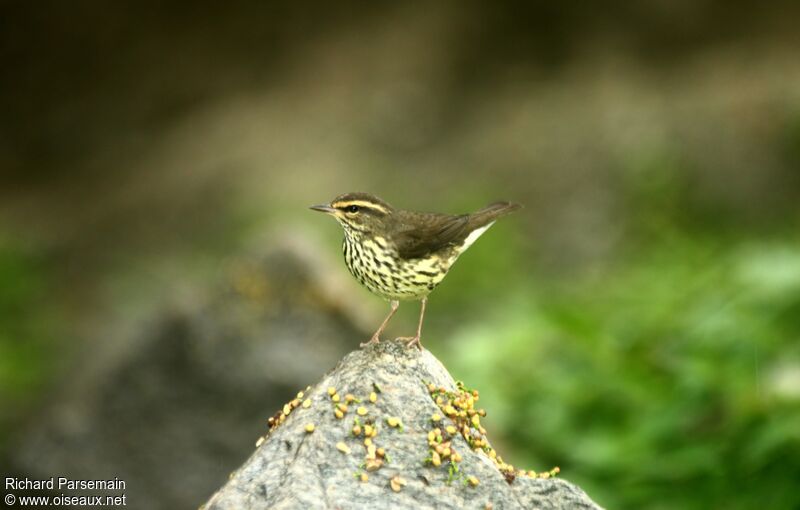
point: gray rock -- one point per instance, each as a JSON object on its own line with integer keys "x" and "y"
{"x": 293, "y": 468}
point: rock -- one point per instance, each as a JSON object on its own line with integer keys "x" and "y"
{"x": 325, "y": 468}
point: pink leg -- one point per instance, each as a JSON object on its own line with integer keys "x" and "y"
{"x": 375, "y": 338}
{"x": 415, "y": 339}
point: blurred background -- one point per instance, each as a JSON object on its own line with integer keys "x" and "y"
{"x": 164, "y": 288}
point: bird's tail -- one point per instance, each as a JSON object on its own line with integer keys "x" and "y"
{"x": 491, "y": 212}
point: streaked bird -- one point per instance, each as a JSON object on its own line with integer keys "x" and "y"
{"x": 404, "y": 255}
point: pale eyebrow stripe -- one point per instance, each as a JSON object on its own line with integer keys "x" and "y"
{"x": 361, "y": 203}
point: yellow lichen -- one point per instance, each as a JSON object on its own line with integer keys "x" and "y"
{"x": 459, "y": 407}
{"x": 397, "y": 483}
{"x": 373, "y": 464}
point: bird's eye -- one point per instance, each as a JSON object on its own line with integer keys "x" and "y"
{"x": 352, "y": 208}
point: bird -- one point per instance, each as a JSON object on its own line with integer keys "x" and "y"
{"x": 404, "y": 255}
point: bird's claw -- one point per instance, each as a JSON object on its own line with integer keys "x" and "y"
{"x": 373, "y": 340}
{"x": 412, "y": 340}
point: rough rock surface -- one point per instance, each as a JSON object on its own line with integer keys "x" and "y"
{"x": 294, "y": 468}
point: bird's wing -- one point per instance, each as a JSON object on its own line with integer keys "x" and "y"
{"x": 433, "y": 233}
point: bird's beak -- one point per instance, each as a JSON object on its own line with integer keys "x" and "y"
{"x": 323, "y": 208}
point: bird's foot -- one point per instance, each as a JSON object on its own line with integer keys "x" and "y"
{"x": 412, "y": 340}
{"x": 373, "y": 340}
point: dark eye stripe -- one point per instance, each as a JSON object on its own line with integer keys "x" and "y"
{"x": 361, "y": 207}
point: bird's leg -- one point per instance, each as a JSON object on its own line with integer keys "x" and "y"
{"x": 376, "y": 337}
{"x": 415, "y": 339}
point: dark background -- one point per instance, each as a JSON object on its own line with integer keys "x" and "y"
{"x": 636, "y": 324}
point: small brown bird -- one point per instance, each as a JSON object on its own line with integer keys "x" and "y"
{"x": 404, "y": 255}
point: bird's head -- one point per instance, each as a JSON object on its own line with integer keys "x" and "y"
{"x": 358, "y": 212}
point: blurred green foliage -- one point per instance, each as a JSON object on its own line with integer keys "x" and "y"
{"x": 669, "y": 379}
{"x": 26, "y": 328}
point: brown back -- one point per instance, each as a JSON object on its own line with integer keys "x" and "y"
{"x": 419, "y": 234}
